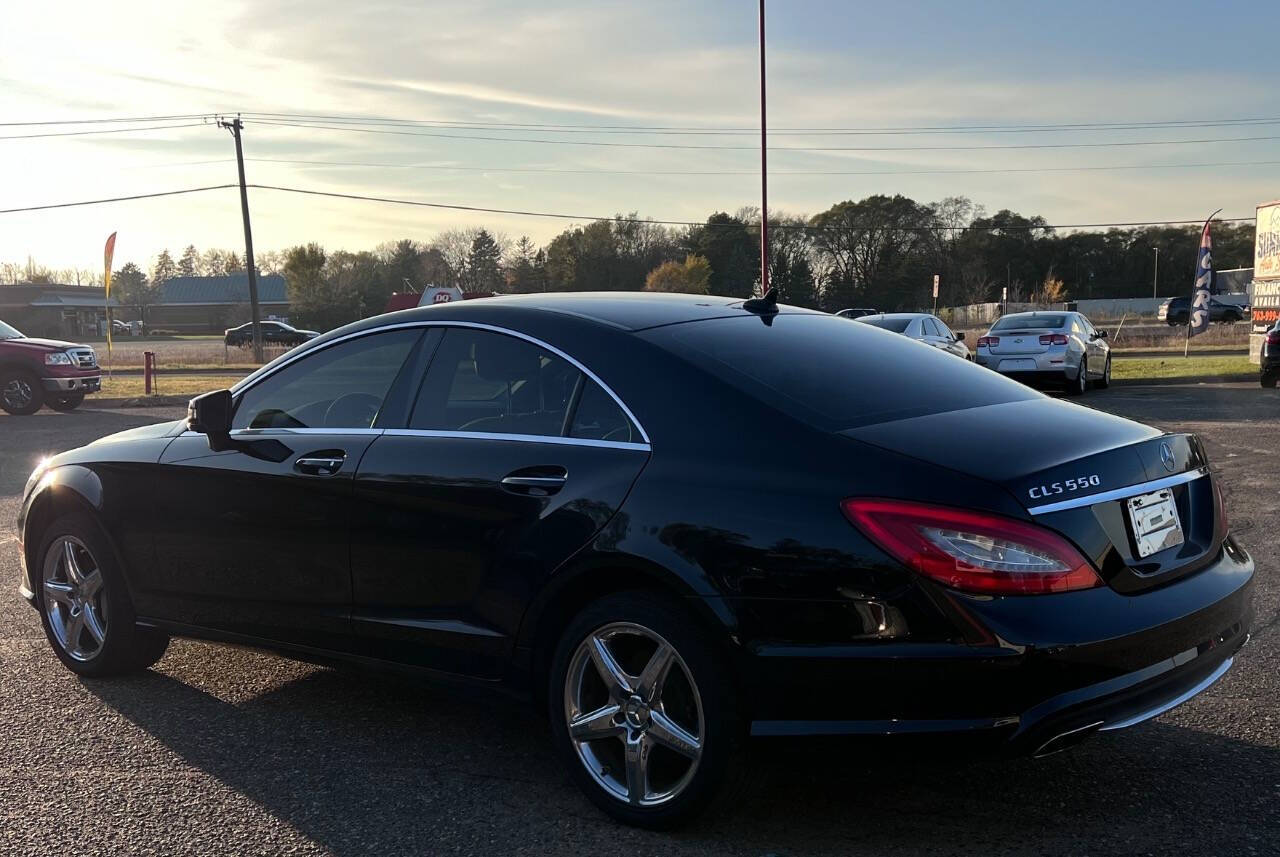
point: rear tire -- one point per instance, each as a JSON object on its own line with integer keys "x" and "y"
{"x": 1105, "y": 381}
{"x": 1076, "y": 386}
{"x": 1269, "y": 381}
{"x": 631, "y": 770}
{"x": 20, "y": 392}
{"x": 66, "y": 403}
{"x": 84, "y": 605}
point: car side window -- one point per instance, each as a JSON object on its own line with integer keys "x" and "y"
{"x": 930, "y": 327}
{"x": 342, "y": 386}
{"x": 599, "y": 417}
{"x": 943, "y": 330}
{"x": 482, "y": 381}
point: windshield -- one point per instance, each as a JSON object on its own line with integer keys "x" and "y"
{"x": 1009, "y": 322}
{"x": 8, "y": 332}
{"x": 897, "y": 325}
{"x": 832, "y": 374}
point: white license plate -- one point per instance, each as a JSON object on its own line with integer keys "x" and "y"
{"x": 1017, "y": 365}
{"x": 1155, "y": 522}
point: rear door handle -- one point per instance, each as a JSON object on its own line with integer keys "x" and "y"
{"x": 320, "y": 464}
{"x": 537, "y": 481}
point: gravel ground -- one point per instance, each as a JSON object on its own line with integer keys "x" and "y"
{"x": 226, "y": 751}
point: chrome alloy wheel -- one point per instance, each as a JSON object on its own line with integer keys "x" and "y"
{"x": 634, "y": 714}
{"x": 73, "y": 598}
{"x": 17, "y": 393}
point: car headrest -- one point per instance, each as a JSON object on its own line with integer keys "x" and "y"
{"x": 504, "y": 358}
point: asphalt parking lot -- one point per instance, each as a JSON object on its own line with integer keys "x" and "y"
{"x": 226, "y": 751}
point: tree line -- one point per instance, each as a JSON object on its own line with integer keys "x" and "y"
{"x": 881, "y": 251}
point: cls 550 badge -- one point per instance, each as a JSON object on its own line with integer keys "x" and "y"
{"x": 1066, "y": 486}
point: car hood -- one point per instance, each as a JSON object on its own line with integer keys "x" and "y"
{"x": 156, "y": 430}
{"x": 43, "y": 344}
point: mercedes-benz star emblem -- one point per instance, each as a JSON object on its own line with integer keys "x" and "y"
{"x": 1166, "y": 458}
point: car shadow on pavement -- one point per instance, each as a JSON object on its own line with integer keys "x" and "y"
{"x": 365, "y": 764}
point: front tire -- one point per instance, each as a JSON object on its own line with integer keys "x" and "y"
{"x": 66, "y": 403}
{"x": 84, "y": 606}
{"x": 1269, "y": 381}
{"x": 20, "y": 392}
{"x": 643, "y": 711}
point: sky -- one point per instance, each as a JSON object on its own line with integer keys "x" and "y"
{"x": 693, "y": 65}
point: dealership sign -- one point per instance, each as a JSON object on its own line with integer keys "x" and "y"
{"x": 1266, "y": 267}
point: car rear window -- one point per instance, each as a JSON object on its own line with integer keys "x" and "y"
{"x": 1009, "y": 322}
{"x": 832, "y": 374}
{"x": 897, "y": 325}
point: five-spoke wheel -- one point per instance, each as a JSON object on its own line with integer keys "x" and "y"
{"x": 73, "y": 599}
{"x": 633, "y": 713}
{"x": 644, "y": 709}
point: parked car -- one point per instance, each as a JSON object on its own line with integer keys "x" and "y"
{"x": 273, "y": 333}
{"x": 922, "y": 327}
{"x": 1060, "y": 349}
{"x": 1270, "y": 370}
{"x": 857, "y": 312}
{"x": 35, "y": 372}
{"x": 1178, "y": 311}
{"x": 120, "y": 328}
{"x": 675, "y": 521}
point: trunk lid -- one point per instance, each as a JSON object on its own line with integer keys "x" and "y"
{"x": 1074, "y": 469}
{"x": 1021, "y": 341}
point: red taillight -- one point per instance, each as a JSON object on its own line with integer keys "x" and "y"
{"x": 1053, "y": 339}
{"x": 989, "y": 340}
{"x": 972, "y": 551}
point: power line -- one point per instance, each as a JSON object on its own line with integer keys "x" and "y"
{"x": 116, "y": 121}
{"x": 376, "y": 164}
{"x": 116, "y": 199}
{"x": 99, "y": 131}
{"x": 562, "y": 216}
{"x": 1112, "y": 144}
{"x": 688, "y": 129}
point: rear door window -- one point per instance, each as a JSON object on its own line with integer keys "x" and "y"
{"x": 833, "y": 374}
{"x": 482, "y": 381}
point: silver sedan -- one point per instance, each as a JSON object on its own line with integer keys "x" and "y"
{"x": 923, "y": 327}
{"x": 1061, "y": 349}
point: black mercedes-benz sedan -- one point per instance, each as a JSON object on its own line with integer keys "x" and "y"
{"x": 674, "y": 522}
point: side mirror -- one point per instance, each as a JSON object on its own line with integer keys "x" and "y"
{"x": 1102, "y": 334}
{"x": 211, "y": 414}
{"x": 960, "y": 336}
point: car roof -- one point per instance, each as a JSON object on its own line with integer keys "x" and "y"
{"x": 621, "y": 310}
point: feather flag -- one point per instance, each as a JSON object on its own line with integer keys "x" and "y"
{"x": 107, "y": 253}
{"x": 1199, "y": 321}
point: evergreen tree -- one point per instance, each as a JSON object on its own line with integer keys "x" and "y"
{"x": 189, "y": 262}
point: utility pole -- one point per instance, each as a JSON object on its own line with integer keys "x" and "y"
{"x": 1155, "y": 277}
{"x": 235, "y": 126}
{"x": 764, "y": 173}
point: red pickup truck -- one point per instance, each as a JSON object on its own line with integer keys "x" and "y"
{"x": 35, "y": 372}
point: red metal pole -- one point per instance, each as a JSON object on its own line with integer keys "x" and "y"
{"x": 764, "y": 172}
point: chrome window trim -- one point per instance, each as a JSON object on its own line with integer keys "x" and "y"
{"x": 291, "y": 432}
{"x": 261, "y": 374}
{"x": 1120, "y": 493}
{"x": 525, "y": 438}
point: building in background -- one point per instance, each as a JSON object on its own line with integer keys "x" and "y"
{"x": 212, "y": 304}
{"x": 55, "y": 311}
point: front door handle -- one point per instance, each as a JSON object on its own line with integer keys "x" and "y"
{"x": 321, "y": 463}
{"x": 537, "y": 481}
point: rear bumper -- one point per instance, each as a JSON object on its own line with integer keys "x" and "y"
{"x": 1043, "y": 377}
{"x": 1105, "y": 662}
{"x": 87, "y": 384}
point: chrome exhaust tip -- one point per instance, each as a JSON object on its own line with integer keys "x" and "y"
{"x": 1065, "y": 740}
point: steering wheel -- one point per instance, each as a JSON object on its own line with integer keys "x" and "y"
{"x": 352, "y": 410}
